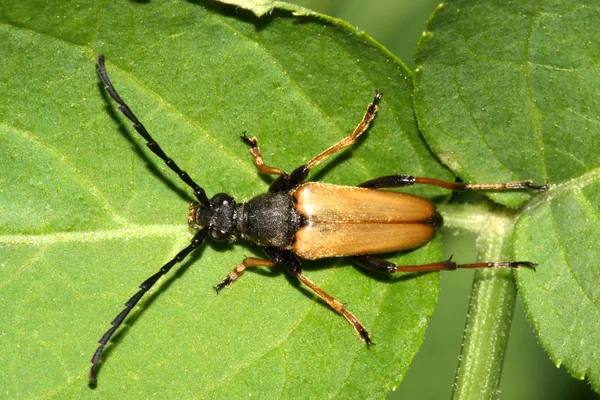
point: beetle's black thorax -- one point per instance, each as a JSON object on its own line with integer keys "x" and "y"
{"x": 270, "y": 219}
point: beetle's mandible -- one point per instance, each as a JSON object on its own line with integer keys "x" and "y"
{"x": 296, "y": 220}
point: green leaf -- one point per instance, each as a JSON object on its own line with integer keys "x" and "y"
{"x": 509, "y": 92}
{"x": 87, "y": 212}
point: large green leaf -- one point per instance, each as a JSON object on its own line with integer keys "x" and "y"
{"x": 508, "y": 91}
{"x": 87, "y": 212}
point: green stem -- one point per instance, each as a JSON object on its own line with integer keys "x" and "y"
{"x": 490, "y": 311}
{"x": 486, "y": 335}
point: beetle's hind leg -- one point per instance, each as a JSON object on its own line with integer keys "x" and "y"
{"x": 379, "y": 265}
{"x": 408, "y": 180}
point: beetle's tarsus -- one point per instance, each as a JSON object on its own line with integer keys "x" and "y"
{"x": 219, "y": 287}
{"x": 372, "y": 109}
{"x": 519, "y": 264}
{"x": 541, "y": 188}
{"x": 224, "y": 283}
{"x": 366, "y": 337}
{"x": 252, "y": 142}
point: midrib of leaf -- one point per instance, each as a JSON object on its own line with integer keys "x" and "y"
{"x": 571, "y": 186}
{"x": 535, "y": 114}
{"x": 131, "y": 231}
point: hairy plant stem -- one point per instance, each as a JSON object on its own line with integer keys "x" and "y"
{"x": 491, "y": 309}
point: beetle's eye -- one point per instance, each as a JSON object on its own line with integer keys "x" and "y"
{"x": 221, "y": 198}
{"x": 219, "y": 236}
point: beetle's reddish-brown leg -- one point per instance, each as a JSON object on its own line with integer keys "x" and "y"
{"x": 350, "y": 139}
{"x": 285, "y": 182}
{"x": 239, "y": 270}
{"x": 258, "y": 158}
{"x": 408, "y": 180}
{"x": 292, "y": 265}
{"x": 337, "y": 306}
{"x": 379, "y": 265}
{"x": 291, "y": 262}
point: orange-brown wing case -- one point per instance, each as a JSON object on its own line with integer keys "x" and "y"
{"x": 348, "y": 220}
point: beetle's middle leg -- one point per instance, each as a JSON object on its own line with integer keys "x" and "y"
{"x": 379, "y": 265}
{"x": 292, "y": 265}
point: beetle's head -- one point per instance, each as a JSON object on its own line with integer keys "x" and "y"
{"x": 219, "y": 216}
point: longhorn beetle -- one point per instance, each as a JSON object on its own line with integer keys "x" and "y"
{"x": 312, "y": 220}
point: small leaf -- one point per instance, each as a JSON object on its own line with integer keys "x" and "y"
{"x": 509, "y": 92}
{"x": 262, "y": 7}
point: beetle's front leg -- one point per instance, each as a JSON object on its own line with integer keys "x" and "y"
{"x": 239, "y": 270}
{"x": 258, "y": 159}
{"x": 285, "y": 182}
{"x": 349, "y": 140}
{"x": 379, "y": 265}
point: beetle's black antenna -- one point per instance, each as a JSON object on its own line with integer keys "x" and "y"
{"x": 130, "y": 304}
{"x": 150, "y": 142}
